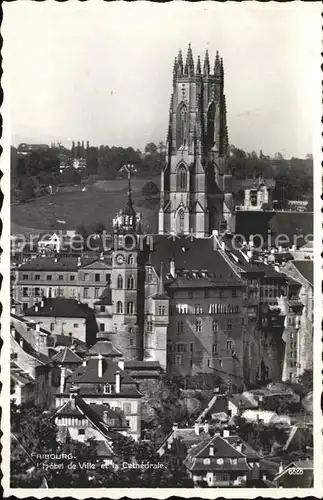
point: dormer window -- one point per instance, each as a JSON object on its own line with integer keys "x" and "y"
{"x": 107, "y": 389}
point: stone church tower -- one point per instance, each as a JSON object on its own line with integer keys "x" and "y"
{"x": 196, "y": 188}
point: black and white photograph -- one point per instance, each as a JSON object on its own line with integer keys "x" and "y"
{"x": 161, "y": 280}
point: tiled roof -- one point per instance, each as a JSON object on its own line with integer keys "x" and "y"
{"x": 305, "y": 267}
{"x": 66, "y": 340}
{"x": 223, "y": 447}
{"x": 104, "y": 346}
{"x": 60, "y": 307}
{"x": 89, "y": 375}
{"x": 165, "y": 249}
{"x": 241, "y": 401}
{"x": 66, "y": 355}
{"x": 61, "y": 263}
{"x": 81, "y": 408}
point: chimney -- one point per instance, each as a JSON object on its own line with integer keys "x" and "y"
{"x": 84, "y": 362}
{"x": 281, "y": 467}
{"x": 13, "y": 310}
{"x": 62, "y": 381}
{"x": 175, "y": 426}
{"x": 100, "y": 365}
{"x": 172, "y": 268}
{"x": 226, "y": 433}
{"x": 56, "y": 259}
{"x": 293, "y": 248}
{"x": 42, "y": 303}
{"x": 121, "y": 364}
{"x": 239, "y": 446}
{"x": 264, "y": 477}
{"x": 36, "y": 308}
{"x": 105, "y": 417}
{"x": 79, "y": 263}
{"x": 74, "y": 392}
{"x": 197, "y": 428}
{"x": 101, "y": 256}
{"x": 206, "y": 428}
{"x": 215, "y": 232}
{"x": 37, "y": 327}
{"x": 13, "y": 331}
{"x": 117, "y": 380}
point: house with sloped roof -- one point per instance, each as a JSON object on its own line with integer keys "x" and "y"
{"x": 81, "y": 421}
{"x": 224, "y": 460}
{"x": 257, "y": 193}
{"x": 297, "y": 474}
{"x": 189, "y": 436}
{"x": 101, "y": 380}
{"x": 66, "y": 317}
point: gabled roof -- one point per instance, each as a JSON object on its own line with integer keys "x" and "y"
{"x": 66, "y": 340}
{"x": 223, "y": 447}
{"x": 87, "y": 376}
{"x": 94, "y": 413}
{"x": 66, "y": 355}
{"x": 64, "y": 264}
{"x": 60, "y": 307}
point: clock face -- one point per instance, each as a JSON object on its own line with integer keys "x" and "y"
{"x": 120, "y": 259}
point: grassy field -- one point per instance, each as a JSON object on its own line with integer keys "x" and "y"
{"x": 99, "y": 204}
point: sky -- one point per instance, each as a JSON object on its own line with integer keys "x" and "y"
{"x": 102, "y": 71}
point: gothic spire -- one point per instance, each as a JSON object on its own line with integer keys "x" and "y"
{"x": 189, "y": 65}
{"x": 179, "y": 63}
{"x": 198, "y": 66}
{"x": 175, "y": 69}
{"x": 217, "y": 65}
{"x": 206, "y": 66}
{"x": 221, "y": 69}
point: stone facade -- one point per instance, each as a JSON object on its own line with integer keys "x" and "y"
{"x": 196, "y": 188}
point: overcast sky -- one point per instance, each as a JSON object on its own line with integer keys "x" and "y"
{"x": 102, "y": 71}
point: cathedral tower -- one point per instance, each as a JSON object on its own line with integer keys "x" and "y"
{"x": 196, "y": 187}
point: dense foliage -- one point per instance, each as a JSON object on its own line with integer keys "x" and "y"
{"x": 294, "y": 176}
{"x": 76, "y": 464}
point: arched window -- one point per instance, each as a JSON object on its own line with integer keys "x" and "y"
{"x": 130, "y": 308}
{"x": 119, "y": 307}
{"x": 210, "y": 124}
{"x": 130, "y": 259}
{"x": 130, "y": 283}
{"x": 181, "y": 126}
{"x": 180, "y": 221}
{"x": 181, "y": 178}
{"x": 119, "y": 281}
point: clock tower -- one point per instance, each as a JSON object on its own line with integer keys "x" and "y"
{"x": 125, "y": 283}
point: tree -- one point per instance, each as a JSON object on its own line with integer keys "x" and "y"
{"x": 27, "y": 192}
{"x": 149, "y": 190}
{"x": 306, "y": 381}
{"x": 151, "y": 148}
{"x": 21, "y": 167}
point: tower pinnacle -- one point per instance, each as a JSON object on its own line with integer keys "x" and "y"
{"x": 189, "y": 65}
{"x": 206, "y": 66}
{"x": 179, "y": 63}
{"x": 198, "y": 66}
{"x": 217, "y": 65}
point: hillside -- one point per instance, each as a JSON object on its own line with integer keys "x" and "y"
{"x": 99, "y": 203}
